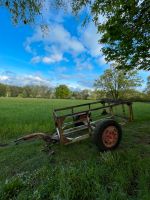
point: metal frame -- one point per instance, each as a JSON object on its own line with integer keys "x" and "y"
{"x": 85, "y": 117}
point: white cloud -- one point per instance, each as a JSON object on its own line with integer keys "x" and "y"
{"x": 51, "y": 12}
{"x": 47, "y": 59}
{"x": 84, "y": 66}
{"x": 77, "y": 86}
{"x": 60, "y": 41}
{"x": 76, "y": 81}
{"x": 83, "y": 63}
{"x": 3, "y": 78}
{"x": 36, "y": 59}
{"x": 34, "y": 80}
{"x": 21, "y": 80}
{"x": 56, "y": 42}
{"x": 52, "y": 59}
{"x": 28, "y": 47}
{"x": 102, "y": 60}
{"x": 90, "y": 37}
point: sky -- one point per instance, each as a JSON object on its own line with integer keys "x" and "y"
{"x": 66, "y": 54}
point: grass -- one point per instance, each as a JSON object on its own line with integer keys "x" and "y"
{"x": 77, "y": 171}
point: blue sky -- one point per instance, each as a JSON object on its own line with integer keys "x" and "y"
{"x": 68, "y": 54}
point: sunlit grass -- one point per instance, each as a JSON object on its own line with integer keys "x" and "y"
{"x": 76, "y": 171}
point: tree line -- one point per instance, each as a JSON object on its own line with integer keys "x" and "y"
{"x": 63, "y": 92}
{"x": 113, "y": 83}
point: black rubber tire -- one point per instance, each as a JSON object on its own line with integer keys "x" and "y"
{"x": 98, "y": 132}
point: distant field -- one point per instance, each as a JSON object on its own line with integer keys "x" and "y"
{"x": 19, "y": 116}
{"x": 77, "y": 171}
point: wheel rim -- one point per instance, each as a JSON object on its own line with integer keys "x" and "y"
{"x": 110, "y": 136}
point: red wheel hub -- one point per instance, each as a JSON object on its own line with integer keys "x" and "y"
{"x": 110, "y": 136}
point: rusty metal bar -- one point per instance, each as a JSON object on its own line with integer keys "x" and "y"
{"x": 80, "y": 105}
{"x": 93, "y": 109}
{"x": 96, "y": 102}
{"x": 63, "y": 131}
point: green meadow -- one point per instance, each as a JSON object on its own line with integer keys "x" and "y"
{"x": 75, "y": 172}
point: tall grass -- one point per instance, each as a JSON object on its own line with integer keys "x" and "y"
{"x": 20, "y": 116}
{"x": 110, "y": 176}
{"x": 74, "y": 172}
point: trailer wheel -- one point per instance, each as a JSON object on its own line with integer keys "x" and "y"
{"x": 107, "y": 135}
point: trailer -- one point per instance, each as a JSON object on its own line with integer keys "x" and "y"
{"x": 101, "y": 120}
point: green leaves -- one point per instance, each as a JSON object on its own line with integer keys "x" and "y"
{"x": 62, "y": 92}
{"x": 116, "y": 82}
{"x": 125, "y": 33}
{"x": 23, "y": 11}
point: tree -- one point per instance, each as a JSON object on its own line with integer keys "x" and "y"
{"x": 28, "y": 11}
{"x": 148, "y": 85}
{"x": 116, "y": 82}
{"x": 98, "y": 94}
{"x": 40, "y": 91}
{"x": 13, "y": 91}
{"x": 2, "y": 90}
{"x": 26, "y": 91}
{"x": 21, "y": 10}
{"x": 8, "y": 91}
{"x": 85, "y": 94}
{"x": 125, "y": 32}
{"x": 76, "y": 95}
{"x": 62, "y": 92}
